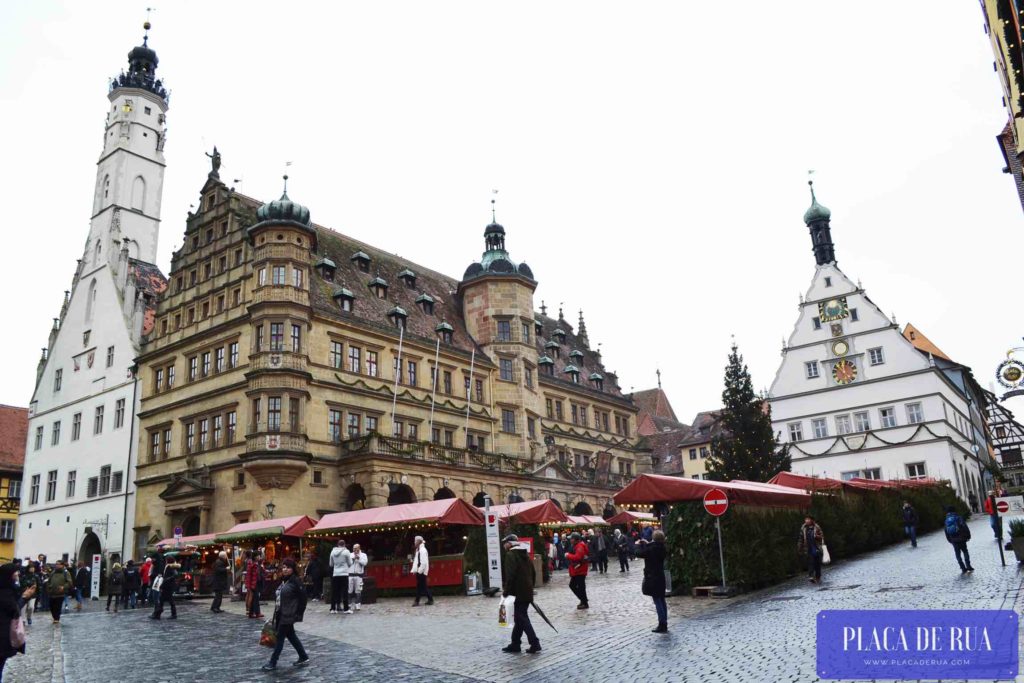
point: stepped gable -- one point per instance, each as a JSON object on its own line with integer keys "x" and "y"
{"x": 150, "y": 282}
{"x": 13, "y": 437}
{"x": 589, "y": 364}
{"x": 373, "y": 311}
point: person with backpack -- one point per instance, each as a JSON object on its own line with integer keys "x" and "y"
{"x": 910, "y": 522}
{"x": 578, "y": 569}
{"x": 115, "y": 585}
{"x": 132, "y": 581}
{"x": 289, "y": 609}
{"x": 58, "y": 585}
{"x": 958, "y": 533}
{"x": 810, "y": 543}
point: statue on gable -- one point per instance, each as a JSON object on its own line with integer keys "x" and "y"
{"x": 214, "y": 163}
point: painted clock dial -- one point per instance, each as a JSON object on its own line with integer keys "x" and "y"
{"x": 844, "y": 372}
{"x": 840, "y": 347}
{"x": 833, "y": 309}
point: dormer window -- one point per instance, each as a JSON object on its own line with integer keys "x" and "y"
{"x": 538, "y": 328}
{"x": 573, "y": 372}
{"x": 361, "y": 260}
{"x": 326, "y": 268}
{"x": 345, "y": 299}
{"x": 444, "y": 331}
{"x": 426, "y": 303}
{"x": 547, "y": 365}
{"x": 576, "y": 356}
{"x": 379, "y": 287}
{"x": 559, "y": 335}
{"x": 397, "y": 316}
{"x": 597, "y": 380}
{"x": 552, "y": 348}
{"x": 408, "y": 278}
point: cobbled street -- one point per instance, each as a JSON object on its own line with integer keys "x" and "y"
{"x": 763, "y": 636}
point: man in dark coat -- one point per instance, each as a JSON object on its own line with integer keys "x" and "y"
{"x": 315, "y": 576}
{"x": 10, "y": 592}
{"x": 520, "y": 577}
{"x": 910, "y": 522}
{"x": 958, "y": 533}
{"x": 220, "y": 581}
{"x": 291, "y": 605}
{"x": 654, "y": 575}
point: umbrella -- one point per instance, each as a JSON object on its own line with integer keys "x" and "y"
{"x": 543, "y": 616}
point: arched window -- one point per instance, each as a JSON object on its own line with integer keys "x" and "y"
{"x": 106, "y": 187}
{"x": 90, "y": 301}
{"x": 139, "y": 194}
{"x": 98, "y": 251}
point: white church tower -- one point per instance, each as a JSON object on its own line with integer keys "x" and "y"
{"x": 855, "y": 398}
{"x": 77, "y": 498}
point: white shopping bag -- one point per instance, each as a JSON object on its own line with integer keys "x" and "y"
{"x": 505, "y": 609}
{"x": 825, "y": 557}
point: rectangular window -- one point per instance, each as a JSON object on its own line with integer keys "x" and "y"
{"x": 447, "y": 378}
{"x": 238, "y": 257}
{"x": 58, "y": 378}
{"x": 190, "y": 437}
{"x": 191, "y": 315}
{"x": 583, "y": 416}
{"x": 703, "y": 452}
{"x": 449, "y": 438}
{"x": 206, "y": 363}
{"x": 915, "y": 470}
{"x": 334, "y": 425}
{"x": 105, "y": 480}
{"x": 154, "y": 446}
{"x": 274, "y": 413}
{"x": 575, "y": 412}
{"x": 693, "y": 454}
{"x": 853, "y": 315}
{"x": 236, "y": 297}
{"x": 820, "y": 428}
{"x": 828, "y": 282}
{"x": 811, "y": 369}
{"x": 371, "y": 424}
{"x": 119, "y": 413}
{"x": 296, "y": 338}
{"x": 796, "y": 431}
{"x": 159, "y": 380}
{"x": 531, "y": 427}
{"x": 92, "y": 487}
{"x": 508, "y": 421}
{"x": 204, "y": 427}
{"x": 414, "y": 432}
{"x": 411, "y": 367}
{"x": 873, "y": 473}
{"x": 371, "y": 363}
{"x": 277, "y": 336}
{"x": 116, "y": 481}
{"x": 914, "y": 414}
{"x": 293, "y": 414}
{"x": 505, "y": 369}
{"x": 218, "y": 428}
{"x": 233, "y": 355}
{"x": 354, "y": 420}
{"x": 318, "y": 477}
{"x": 528, "y": 377}
{"x": 816, "y": 322}
{"x": 278, "y": 275}
{"x": 72, "y": 477}
{"x": 861, "y": 422}
{"x": 525, "y": 333}
{"x": 39, "y": 437}
{"x": 55, "y": 434}
{"x": 354, "y": 361}
{"x": 14, "y": 488}
{"x": 97, "y": 422}
{"x": 604, "y": 421}
{"x": 51, "y": 485}
{"x": 887, "y": 416}
{"x": 76, "y": 426}
{"x": 843, "y": 424}
{"x": 396, "y": 369}
{"x": 232, "y": 424}
{"x": 504, "y": 331}
{"x": 170, "y": 376}
{"x": 550, "y": 408}
{"x": 167, "y": 442}
{"x": 110, "y": 356}
{"x": 297, "y": 277}
{"x": 875, "y": 356}
{"x": 222, "y": 265}
{"x": 559, "y": 415}
{"x": 479, "y": 390}
{"x": 33, "y": 490}
{"x": 218, "y": 360}
{"x": 193, "y": 368}
{"x": 337, "y": 354}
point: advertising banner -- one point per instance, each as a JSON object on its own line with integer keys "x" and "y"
{"x": 97, "y": 565}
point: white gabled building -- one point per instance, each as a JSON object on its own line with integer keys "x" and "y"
{"x": 854, "y": 397}
{"x": 77, "y": 495}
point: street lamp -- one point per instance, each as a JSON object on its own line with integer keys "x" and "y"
{"x": 270, "y": 509}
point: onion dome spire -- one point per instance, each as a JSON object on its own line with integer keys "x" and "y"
{"x": 817, "y": 219}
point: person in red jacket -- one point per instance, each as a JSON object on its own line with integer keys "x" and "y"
{"x": 144, "y": 576}
{"x": 578, "y": 569}
{"x": 253, "y": 584}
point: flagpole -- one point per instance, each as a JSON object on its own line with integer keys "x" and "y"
{"x": 433, "y": 388}
{"x": 469, "y": 391}
{"x": 398, "y": 373}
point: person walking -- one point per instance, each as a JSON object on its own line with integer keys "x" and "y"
{"x": 810, "y": 543}
{"x": 340, "y": 563}
{"x": 10, "y": 595}
{"x": 602, "y": 551}
{"x": 993, "y": 515}
{"x": 621, "y": 544}
{"x": 145, "y": 576}
{"x": 592, "y": 549}
{"x": 220, "y": 581}
{"x": 289, "y": 608}
{"x": 83, "y": 583}
{"x": 910, "y": 522}
{"x": 578, "y": 569}
{"x": 958, "y": 533}
{"x": 315, "y": 577}
{"x": 421, "y": 568}
{"x": 132, "y": 581}
{"x": 34, "y": 581}
{"x": 167, "y": 588}
{"x": 58, "y": 585}
{"x": 355, "y": 576}
{"x": 653, "y": 553}
{"x": 115, "y": 585}
{"x": 520, "y": 577}
{"x": 44, "y": 570}
{"x": 253, "y": 584}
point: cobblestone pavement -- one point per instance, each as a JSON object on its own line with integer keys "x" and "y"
{"x": 763, "y": 636}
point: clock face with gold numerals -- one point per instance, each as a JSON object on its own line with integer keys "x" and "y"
{"x": 844, "y": 372}
{"x": 833, "y": 309}
{"x": 840, "y": 347}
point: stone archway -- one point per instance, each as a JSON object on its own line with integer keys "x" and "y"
{"x": 582, "y": 508}
{"x": 401, "y": 494}
{"x": 355, "y": 497}
{"x": 444, "y": 493}
{"x": 90, "y": 546}
{"x": 190, "y": 526}
{"x": 609, "y": 511}
{"x": 478, "y": 499}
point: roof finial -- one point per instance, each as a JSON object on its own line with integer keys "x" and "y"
{"x": 494, "y": 199}
{"x": 543, "y": 307}
{"x": 285, "y": 183}
{"x": 810, "y": 184}
{"x": 146, "y": 25}
{"x": 561, "y": 316}
{"x": 658, "y": 373}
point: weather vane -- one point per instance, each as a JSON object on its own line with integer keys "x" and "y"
{"x": 493, "y": 200}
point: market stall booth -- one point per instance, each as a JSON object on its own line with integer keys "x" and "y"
{"x": 196, "y": 555}
{"x": 630, "y": 518}
{"x": 530, "y": 512}
{"x": 810, "y": 484}
{"x": 386, "y": 535}
{"x": 658, "y": 488}
{"x": 274, "y": 539}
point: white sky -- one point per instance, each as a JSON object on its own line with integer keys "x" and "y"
{"x": 651, "y": 157}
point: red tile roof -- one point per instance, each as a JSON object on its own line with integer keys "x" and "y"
{"x": 13, "y": 434}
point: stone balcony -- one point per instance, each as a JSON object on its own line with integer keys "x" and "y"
{"x": 278, "y": 360}
{"x": 280, "y": 251}
{"x": 280, "y": 294}
{"x": 275, "y": 458}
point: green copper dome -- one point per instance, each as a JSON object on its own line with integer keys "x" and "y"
{"x": 816, "y": 212}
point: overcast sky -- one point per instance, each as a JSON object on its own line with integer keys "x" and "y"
{"x": 651, "y": 157}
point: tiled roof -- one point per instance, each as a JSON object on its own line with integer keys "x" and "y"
{"x": 706, "y": 425}
{"x": 654, "y": 402}
{"x": 13, "y": 434}
{"x": 923, "y": 343}
{"x": 150, "y": 282}
{"x": 587, "y": 364}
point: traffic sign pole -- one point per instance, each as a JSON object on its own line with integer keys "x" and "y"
{"x": 998, "y": 507}
{"x": 716, "y": 502}
{"x": 721, "y": 553}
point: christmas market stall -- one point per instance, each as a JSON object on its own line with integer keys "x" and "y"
{"x": 630, "y": 518}
{"x": 196, "y": 555}
{"x": 386, "y": 535}
{"x": 659, "y": 488}
{"x": 273, "y": 539}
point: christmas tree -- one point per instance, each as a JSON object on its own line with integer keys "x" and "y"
{"x": 745, "y": 446}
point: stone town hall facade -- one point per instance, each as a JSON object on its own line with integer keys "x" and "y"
{"x": 271, "y": 370}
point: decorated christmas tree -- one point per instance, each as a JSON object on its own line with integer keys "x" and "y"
{"x": 745, "y": 446}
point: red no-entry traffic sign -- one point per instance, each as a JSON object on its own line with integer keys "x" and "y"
{"x": 716, "y": 502}
{"x": 1002, "y": 506}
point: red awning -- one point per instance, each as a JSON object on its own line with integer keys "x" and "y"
{"x": 631, "y": 517}
{"x": 658, "y": 488}
{"x": 264, "y": 528}
{"x": 530, "y": 512}
{"x": 445, "y": 511}
{"x": 200, "y": 540}
{"x": 802, "y": 481}
{"x": 587, "y": 520}
{"x": 874, "y": 484}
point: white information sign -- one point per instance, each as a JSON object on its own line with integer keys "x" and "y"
{"x": 97, "y": 561}
{"x": 493, "y": 546}
{"x": 1014, "y": 505}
